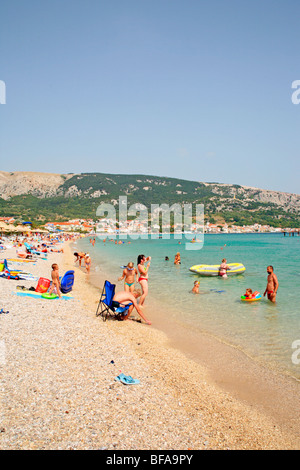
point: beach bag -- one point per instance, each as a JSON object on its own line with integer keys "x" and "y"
{"x": 43, "y": 285}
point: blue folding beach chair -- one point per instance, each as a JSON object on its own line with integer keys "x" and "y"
{"x": 28, "y": 247}
{"x": 107, "y": 307}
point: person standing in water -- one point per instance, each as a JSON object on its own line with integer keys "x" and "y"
{"x": 143, "y": 273}
{"x": 272, "y": 285}
{"x": 177, "y": 259}
{"x": 88, "y": 262}
{"x": 223, "y": 269}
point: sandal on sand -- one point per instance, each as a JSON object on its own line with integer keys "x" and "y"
{"x": 2, "y": 311}
{"x": 127, "y": 379}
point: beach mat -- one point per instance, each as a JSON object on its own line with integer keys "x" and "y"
{"x": 19, "y": 260}
{"x": 38, "y": 295}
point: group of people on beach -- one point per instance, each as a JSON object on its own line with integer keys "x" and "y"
{"x": 131, "y": 275}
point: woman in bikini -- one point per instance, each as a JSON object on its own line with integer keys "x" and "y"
{"x": 129, "y": 274}
{"x": 143, "y": 279}
{"x": 223, "y": 269}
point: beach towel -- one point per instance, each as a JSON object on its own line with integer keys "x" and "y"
{"x": 38, "y": 295}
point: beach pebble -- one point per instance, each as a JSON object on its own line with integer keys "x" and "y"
{"x": 58, "y": 390}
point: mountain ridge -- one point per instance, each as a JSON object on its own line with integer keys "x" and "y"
{"x": 39, "y": 194}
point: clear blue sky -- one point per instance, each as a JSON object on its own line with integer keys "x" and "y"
{"x": 191, "y": 89}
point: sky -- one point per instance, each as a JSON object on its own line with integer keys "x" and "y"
{"x": 194, "y": 89}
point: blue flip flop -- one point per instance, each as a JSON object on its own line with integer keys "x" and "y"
{"x": 2, "y": 311}
{"x": 127, "y": 379}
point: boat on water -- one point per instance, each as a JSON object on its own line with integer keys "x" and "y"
{"x": 213, "y": 269}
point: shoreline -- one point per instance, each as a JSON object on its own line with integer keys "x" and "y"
{"x": 58, "y": 387}
{"x": 226, "y": 368}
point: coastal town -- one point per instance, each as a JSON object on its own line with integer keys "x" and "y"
{"x": 110, "y": 226}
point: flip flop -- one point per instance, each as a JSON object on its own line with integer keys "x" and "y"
{"x": 2, "y": 311}
{"x": 119, "y": 377}
{"x": 127, "y": 379}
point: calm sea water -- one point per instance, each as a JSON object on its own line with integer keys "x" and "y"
{"x": 263, "y": 330}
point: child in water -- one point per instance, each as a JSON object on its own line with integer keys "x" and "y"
{"x": 195, "y": 289}
{"x": 248, "y": 293}
{"x": 251, "y": 295}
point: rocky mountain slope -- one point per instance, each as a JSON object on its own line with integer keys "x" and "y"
{"x": 38, "y": 195}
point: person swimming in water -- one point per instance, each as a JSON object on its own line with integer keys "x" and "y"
{"x": 129, "y": 274}
{"x": 177, "y": 259}
{"x": 195, "y": 289}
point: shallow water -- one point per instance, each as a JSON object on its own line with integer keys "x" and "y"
{"x": 263, "y": 330}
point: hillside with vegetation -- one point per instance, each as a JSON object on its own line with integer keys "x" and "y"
{"x": 42, "y": 197}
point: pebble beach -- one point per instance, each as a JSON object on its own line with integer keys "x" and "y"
{"x": 58, "y": 365}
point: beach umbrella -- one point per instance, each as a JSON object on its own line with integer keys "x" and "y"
{"x": 39, "y": 230}
{"x": 11, "y": 228}
{"x": 20, "y": 229}
{"x": 23, "y": 228}
{"x": 3, "y": 227}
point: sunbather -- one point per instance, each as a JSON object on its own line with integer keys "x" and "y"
{"x": 123, "y": 298}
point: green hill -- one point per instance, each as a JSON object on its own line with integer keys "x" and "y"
{"x": 42, "y": 198}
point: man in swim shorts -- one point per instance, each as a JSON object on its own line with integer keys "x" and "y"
{"x": 272, "y": 285}
{"x": 129, "y": 273}
{"x": 123, "y": 298}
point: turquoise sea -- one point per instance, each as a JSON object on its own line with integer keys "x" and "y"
{"x": 263, "y": 330}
